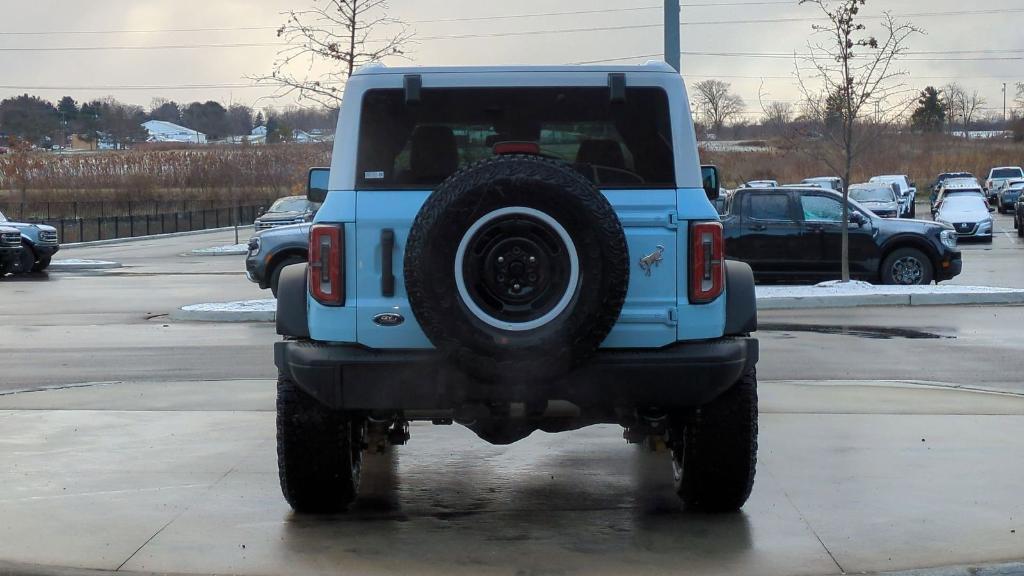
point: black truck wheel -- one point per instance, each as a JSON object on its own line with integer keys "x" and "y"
{"x": 319, "y": 452}
{"x": 715, "y": 459}
{"x": 275, "y": 275}
{"x": 27, "y": 260}
{"x": 907, "y": 266}
{"x": 517, "y": 266}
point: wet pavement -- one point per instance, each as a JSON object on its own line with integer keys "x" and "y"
{"x": 874, "y": 454}
{"x": 181, "y": 477}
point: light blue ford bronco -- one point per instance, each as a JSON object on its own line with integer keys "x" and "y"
{"x": 512, "y": 250}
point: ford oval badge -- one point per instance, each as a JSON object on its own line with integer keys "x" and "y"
{"x": 388, "y": 319}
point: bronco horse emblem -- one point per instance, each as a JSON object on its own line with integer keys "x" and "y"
{"x": 647, "y": 263}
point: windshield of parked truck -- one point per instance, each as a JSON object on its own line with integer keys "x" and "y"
{"x": 1007, "y": 173}
{"x": 615, "y": 144}
{"x": 298, "y": 204}
{"x": 873, "y": 194}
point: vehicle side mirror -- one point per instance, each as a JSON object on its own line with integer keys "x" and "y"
{"x": 991, "y": 208}
{"x": 709, "y": 174}
{"x": 319, "y": 179}
{"x": 858, "y": 219}
{"x": 913, "y": 184}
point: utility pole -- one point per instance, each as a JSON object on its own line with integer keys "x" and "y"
{"x": 673, "y": 49}
{"x": 1004, "y": 105}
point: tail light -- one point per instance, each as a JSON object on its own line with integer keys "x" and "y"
{"x": 707, "y": 262}
{"x": 327, "y": 264}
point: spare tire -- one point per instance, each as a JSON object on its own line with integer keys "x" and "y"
{"x": 517, "y": 266}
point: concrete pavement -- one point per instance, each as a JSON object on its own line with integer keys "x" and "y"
{"x": 180, "y": 477}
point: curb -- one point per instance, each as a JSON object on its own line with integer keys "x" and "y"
{"x": 58, "y": 266}
{"x": 763, "y": 304}
{"x": 840, "y": 301}
{"x": 143, "y": 238}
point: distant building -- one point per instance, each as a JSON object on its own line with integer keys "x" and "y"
{"x": 259, "y": 131}
{"x": 160, "y": 131}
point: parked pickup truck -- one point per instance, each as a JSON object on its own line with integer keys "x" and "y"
{"x": 10, "y": 250}
{"x": 788, "y": 234}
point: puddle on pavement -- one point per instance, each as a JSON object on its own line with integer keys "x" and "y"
{"x": 872, "y": 332}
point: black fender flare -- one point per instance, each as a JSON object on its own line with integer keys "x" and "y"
{"x": 292, "y": 319}
{"x": 740, "y": 299}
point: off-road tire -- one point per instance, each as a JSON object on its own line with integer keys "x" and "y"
{"x": 561, "y": 194}
{"x": 319, "y": 452}
{"x": 275, "y": 275}
{"x": 715, "y": 459}
{"x": 1019, "y": 227}
{"x": 927, "y": 269}
{"x": 913, "y": 210}
{"x": 42, "y": 264}
{"x": 28, "y": 258}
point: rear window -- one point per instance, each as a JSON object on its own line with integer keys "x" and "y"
{"x": 417, "y": 146}
{"x": 873, "y": 194}
{"x": 1007, "y": 173}
{"x": 768, "y": 206}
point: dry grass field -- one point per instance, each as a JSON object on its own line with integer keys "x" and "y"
{"x": 207, "y": 173}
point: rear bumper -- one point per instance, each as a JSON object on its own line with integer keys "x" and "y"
{"x": 350, "y": 377}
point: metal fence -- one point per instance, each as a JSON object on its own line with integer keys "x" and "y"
{"x": 88, "y": 221}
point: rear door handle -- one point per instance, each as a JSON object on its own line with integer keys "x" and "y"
{"x": 758, "y": 227}
{"x": 387, "y": 251}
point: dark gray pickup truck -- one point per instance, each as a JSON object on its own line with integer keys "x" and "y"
{"x": 10, "y": 250}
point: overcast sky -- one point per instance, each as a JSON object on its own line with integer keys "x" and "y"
{"x": 90, "y": 73}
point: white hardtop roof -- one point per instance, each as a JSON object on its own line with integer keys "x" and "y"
{"x": 650, "y": 66}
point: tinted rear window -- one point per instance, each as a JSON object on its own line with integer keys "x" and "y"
{"x": 1007, "y": 173}
{"x": 768, "y": 206}
{"x": 417, "y": 146}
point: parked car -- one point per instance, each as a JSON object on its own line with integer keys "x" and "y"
{"x": 997, "y": 175}
{"x": 826, "y": 182}
{"x": 957, "y": 187}
{"x": 795, "y": 234}
{"x": 942, "y": 178}
{"x": 762, "y": 184}
{"x": 287, "y": 211}
{"x": 11, "y": 250}
{"x": 40, "y": 241}
{"x": 1007, "y": 195}
{"x": 527, "y": 280}
{"x": 968, "y": 214}
{"x": 270, "y": 251}
{"x": 878, "y": 198}
{"x": 906, "y": 190}
{"x": 1018, "y": 216}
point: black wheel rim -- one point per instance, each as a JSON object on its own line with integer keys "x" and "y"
{"x": 908, "y": 270}
{"x": 516, "y": 269}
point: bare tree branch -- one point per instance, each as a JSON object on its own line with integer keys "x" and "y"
{"x": 332, "y": 35}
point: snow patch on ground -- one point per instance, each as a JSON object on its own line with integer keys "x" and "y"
{"x": 239, "y": 306}
{"x": 230, "y": 250}
{"x": 82, "y": 264}
{"x": 734, "y": 146}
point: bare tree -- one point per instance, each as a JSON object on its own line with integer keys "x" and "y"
{"x": 852, "y": 74}
{"x": 963, "y": 105}
{"x": 716, "y": 103}
{"x": 1018, "y": 101}
{"x": 327, "y": 42}
{"x": 777, "y": 113}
